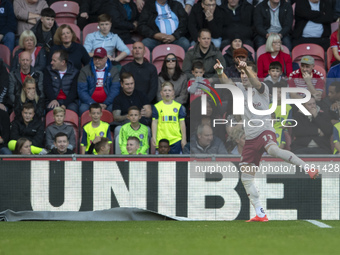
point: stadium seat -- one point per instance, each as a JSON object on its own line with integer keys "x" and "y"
{"x": 329, "y": 57}
{"x": 129, "y": 58}
{"x": 75, "y": 28}
{"x": 262, "y": 49}
{"x": 160, "y": 52}
{"x": 88, "y": 29}
{"x": 66, "y": 11}
{"x": 15, "y": 50}
{"x": 107, "y": 117}
{"x": 5, "y": 54}
{"x": 12, "y": 117}
{"x": 248, "y": 47}
{"x": 314, "y": 50}
{"x": 71, "y": 118}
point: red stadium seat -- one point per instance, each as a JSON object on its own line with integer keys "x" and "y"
{"x": 262, "y": 49}
{"x": 314, "y": 50}
{"x": 129, "y": 58}
{"x": 5, "y": 54}
{"x": 75, "y": 28}
{"x": 12, "y": 117}
{"x": 71, "y": 118}
{"x": 15, "y": 50}
{"x": 107, "y": 117}
{"x": 160, "y": 52}
{"x": 329, "y": 57}
{"x": 66, "y": 11}
{"x": 88, "y": 29}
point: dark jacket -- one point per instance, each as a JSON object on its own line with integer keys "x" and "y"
{"x": 8, "y": 21}
{"x": 46, "y": 44}
{"x": 239, "y": 23}
{"x": 39, "y": 107}
{"x": 262, "y": 18}
{"x": 147, "y": 26}
{"x": 4, "y": 81}
{"x": 4, "y": 128}
{"x": 303, "y": 14}
{"x": 307, "y": 130}
{"x": 55, "y": 151}
{"x": 15, "y": 83}
{"x": 77, "y": 54}
{"x": 198, "y": 21}
{"x": 34, "y": 131}
{"x": 229, "y": 59}
{"x": 40, "y": 59}
{"x": 120, "y": 23}
{"x": 53, "y": 84}
{"x": 87, "y": 83}
{"x": 216, "y": 147}
{"x": 94, "y": 7}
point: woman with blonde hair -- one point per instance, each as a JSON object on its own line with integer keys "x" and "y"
{"x": 28, "y": 42}
{"x": 29, "y": 94}
{"x": 65, "y": 39}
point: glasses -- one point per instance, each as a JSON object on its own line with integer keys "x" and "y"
{"x": 171, "y": 60}
{"x": 210, "y": 5}
{"x": 277, "y": 42}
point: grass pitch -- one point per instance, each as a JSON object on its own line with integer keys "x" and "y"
{"x": 168, "y": 237}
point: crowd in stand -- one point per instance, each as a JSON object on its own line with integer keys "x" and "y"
{"x": 52, "y": 71}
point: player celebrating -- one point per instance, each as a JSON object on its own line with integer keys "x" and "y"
{"x": 258, "y": 139}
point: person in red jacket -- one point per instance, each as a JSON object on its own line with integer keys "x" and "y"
{"x": 274, "y": 52}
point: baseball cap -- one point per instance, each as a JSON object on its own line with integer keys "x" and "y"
{"x": 241, "y": 52}
{"x": 307, "y": 60}
{"x": 100, "y": 53}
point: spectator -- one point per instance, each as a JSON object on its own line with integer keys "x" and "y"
{"x": 195, "y": 83}
{"x": 204, "y": 142}
{"x": 336, "y": 138}
{"x": 313, "y": 20}
{"x": 274, "y": 75}
{"x": 28, "y": 127}
{"x": 94, "y": 128}
{"x": 311, "y": 135}
{"x": 203, "y": 51}
{"x": 60, "y": 83}
{"x": 129, "y": 96}
{"x": 274, "y": 52}
{"x": 236, "y": 43}
{"x": 205, "y": 14}
{"x": 107, "y": 40}
{"x": 23, "y": 147}
{"x": 8, "y": 24}
{"x": 89, "y": 10}
{"x": 45, "y": 29}
{"x": 4, "y": 81}
{"x": 165, "y": 24}
{"x": 172, "y": 72}
{"x": 4, "y": 132}
{"x": 163, "y": 147}
{"x": 98, "y": 82}
{"x": 136, "y": 129}
{"x": 278, "y": 19}
{"x": 187, "y": 4}
{"x": 28, "y": 42}
{"x": 168, "y": 120}
{"x": 238, "y": 138}
{"x": 101, "y": 145}
{"x": 333, "y": 75}
{"x": 28, "y": 13}
{"x": 239, "y": 54}
{"x": 147, "y": 73}
{"x": 238, "y": 20}
{"x": 132, "y": 145}
{"x": 335, "y": 45}
{"x": 60, "y": 127}
{"x": 61, "y": 145}
{"x": 125, "y": 19}
{"x": 18, "y": 76}
{"x": 65, "y": 39}
{"x": 331, "y": 103}
{"x": 307, "y": 77}
{"x": 29, "y": 94}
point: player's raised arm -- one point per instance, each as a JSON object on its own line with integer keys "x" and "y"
{"x": 221, "y": 75}
{"x": 252, "y": 76}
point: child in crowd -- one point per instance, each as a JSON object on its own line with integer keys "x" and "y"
{"x": 28, "y": 127}
{"x": 94, "y": 128}
{"x": 101, "y": 146}
{"x": 163, "y": 147}
{"x": 168, "y": 120}
{"x": 132, "y": 145}
{"x": 61, "y": 144}
{"x": 60, "y": 126}
{"x": 134, "y": 128}
{"x": 194, "y": 83}
{"x": 274, "y": 75}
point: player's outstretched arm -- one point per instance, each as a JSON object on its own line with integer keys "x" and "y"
{"x": 221, "y": 75}
{"x": 251, "y": 75}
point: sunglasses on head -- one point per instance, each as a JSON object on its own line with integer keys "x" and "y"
{"x": 171, "y": 60}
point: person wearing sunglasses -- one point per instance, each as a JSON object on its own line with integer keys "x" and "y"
{"x": 172, "y": 72}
